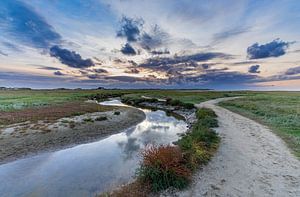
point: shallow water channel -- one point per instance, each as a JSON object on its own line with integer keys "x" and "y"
{"x": 89, "y": 169}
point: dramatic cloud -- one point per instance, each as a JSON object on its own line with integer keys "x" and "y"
{"x": 130, "y": 29}
{"x": 154, "y": 39}
{"x": 128, "y": 50}
{"x": 293, "y": 71}
{"x": 217, "y": 77}
{"x": 198, "y": 57}
{"x": 275, "y": 48}
{"x": 70, "y": 58}
{"x": 21, "y": 22}
{"x": 254, "y": 69}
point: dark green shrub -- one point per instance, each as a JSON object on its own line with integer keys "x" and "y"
{"x": 88, "y": 120}
{"x": 205, "y": 112}
{"x": 188, "y": 105}
{"x": 175, "y": 103}
{"x": 117, "y": 113}
{"x": 101, "y": 118}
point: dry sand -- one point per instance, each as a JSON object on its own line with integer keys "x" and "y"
{"x": 27, "y": 138}
{"x": 251, "y": 161}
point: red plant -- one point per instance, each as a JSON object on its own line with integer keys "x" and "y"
{"x": 166, "y": 158}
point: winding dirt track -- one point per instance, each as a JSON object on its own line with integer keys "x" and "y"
{"x": 251, "y": 161}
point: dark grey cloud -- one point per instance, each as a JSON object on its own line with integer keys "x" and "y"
{"x": 23, "y": 23}
{"x": 293, "y": 71}
{"x": 70, "y": 58}
{"x": 254, "y": 69}
{"x": 47, "y": 67}
{"x": 99, "y": 70}
{"x": 215, "y": 78}
{"x": 130, "y": 28}
{"x": 95, "y": 76}
{"x": 127, "y": 49}
{"x": 275, "y": 48}
{"x": 160, "y": 52}
{"x": 198, "y": 57}
{"x": 58, "y": 73}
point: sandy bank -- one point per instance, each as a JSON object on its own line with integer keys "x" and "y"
{"x": 29, "y": 138}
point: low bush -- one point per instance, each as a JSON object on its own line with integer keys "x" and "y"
{"x": 117, "y": 113}
{"x": 101, "y": 118}
{"x": 164, "y": 167}
{"x": 188, "y": 105}
{"x": 132, "y": 100}
{"x": 88, "y": 120}
{"x": 205, "y": 112}
{"x": 180, "y": 104}
{"x": 103, "y": 96}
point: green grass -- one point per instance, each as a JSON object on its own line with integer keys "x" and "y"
{"x": 11, "y": 100}
{"x": 278, "y": 110}
{"x": 199, "y": 145}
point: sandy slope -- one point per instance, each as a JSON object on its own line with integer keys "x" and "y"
{"x": 251, "y": 161}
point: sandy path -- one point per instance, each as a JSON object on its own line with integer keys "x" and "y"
{"x": 251, "y": 161}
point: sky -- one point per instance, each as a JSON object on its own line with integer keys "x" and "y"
{"x": 197, "y": 44}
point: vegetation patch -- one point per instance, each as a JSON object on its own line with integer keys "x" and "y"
{"x": 138, "y": 100}
{"x": 51, "y": 113}
{"x": 171, "y": 166}
{"x": 88, "y": 120}
{"x": 101, "y": 118}
{"x": 117, "y": 113}
{"x": 163, "y": 167}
